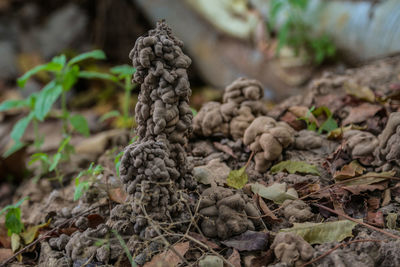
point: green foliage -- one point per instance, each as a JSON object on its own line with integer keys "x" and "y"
{"x": 13, "y": 217}
{"x": 65, "y": 75}
{"x": 319, "y": 233}
{"x": 294, "y": 167}
{"x": 122, "y": 75}
{"x": 295, "y": 30}
{"x": 237, "y": 178}
{"x": 82, "y": 186}
{"x": 328, "y": 125}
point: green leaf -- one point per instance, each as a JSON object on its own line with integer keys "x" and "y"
{"x": 56, "y": 160}
{"x": 328, "y": 125}
{"x": 64, "y": 143}
{"x": 14, "y": 206}
{"x": 61, "y": 59}
{"x": 46, "y": 98}
{"x": 17, "y": 146}
{"x": 20, "y": 128}
{"x": 51, "y": 66}
{"x": 9, "y": 104}
{"x": 108, "y": 115}
{"x": 95, "y": 54}
{"x": 70, "y": 78}
{"x": 32, "y": 232}
{"x": 391, "y": 220}
{"x": 193, "y": 111}
{"x": 13, "y": 221}
{"x": 97, "y": 75}
{"x": 319, "y": 233}
{"x": 123, "y": 71}
{"x": 117, "y": 162}
{"x": 276, "y": 192}
{"x": 39, "y": 156}
{"x": 80, "y": 124}
{"x": 237, "y": 178}
{"x": 80, "y": 189}
{"x": 294, "y": 167}
{"x": 126, "y": 249}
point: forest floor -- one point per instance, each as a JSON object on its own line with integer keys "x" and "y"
{"x": 331, "y": 199}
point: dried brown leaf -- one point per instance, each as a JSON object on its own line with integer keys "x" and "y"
{"x": 225, "y": 148}
{"x": 169, "y": 256}
{"x": 361, "y": 113}
{"x": 234, "y": 258}
{"x": 117, "y": 195}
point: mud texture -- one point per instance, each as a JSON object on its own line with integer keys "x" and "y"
{"x": 225, "y": 213}
{"x": 241, "y": 105}
{"x": 154, "y": 168}
{"x": 267, "y": 139}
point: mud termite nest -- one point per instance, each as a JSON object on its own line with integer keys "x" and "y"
{"x": 241, "y": 105}
{"x": 225, "y": 214}
{"x": 267, "y": 138}
{"x": 155, "y": 166}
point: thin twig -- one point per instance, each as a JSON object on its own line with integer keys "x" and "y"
{"x": 338, "y": 246}
{"x": 168, "y": 245}
{"x": 359, "y": 222}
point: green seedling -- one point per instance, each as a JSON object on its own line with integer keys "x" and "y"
{"x": 328, "y": 125}
{"x": 122, "y": 76}
{"x": 14, "y": 224}
{"x": 83, "y": 186}
{"x": 65, "y": 75}
{"x": 295, "y": 31}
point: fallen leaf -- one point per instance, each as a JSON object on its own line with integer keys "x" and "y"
{"x": 5, "y": 253}
{"x": 225, "y": 148}
{"x": 237, "y": 178}
{"x": 357, "y": 189}
{"x": 234, "y": 258}
{"x": 204, "y": 240}
{"x": 264, "y": 260}
{"x": 211, "y": 260}
{"x": 386, "y": 197}
{"x": 370, "y": 178}
{"x": 294, "y": 167}
{"x": 117, "y": 195}
{"x": 391, "y": 220}
{"x": 375, "y": 218}
{"x": 248, "y": 241}
{"x": 303, "y": 112}
{"x": 276, "y": 192}
{"x": 95, "y": 220}
{"x": 5, "y": 240}
{"x": 15, "y": 242}
{"x": 267, "y": 212}
{"x": 361, "y": 113}
{"x": 319, "y": 233}
{"x": 169, "y": 256}
{"x": 374, "y": 203}
{"x": 338, "y": 132}
{"x": 32, "y": 232}
{"x": 293, "y": 121}
{"x": 350, "y": 170}
{"x": 359, "y": 91}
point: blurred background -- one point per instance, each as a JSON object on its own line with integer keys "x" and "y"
{"x": 282, "y": 43}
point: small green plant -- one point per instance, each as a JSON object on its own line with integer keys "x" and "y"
{"x": 295, "y": 30}
{"x": 328, "y": 125}
{"x": 82, "y": 186}
{"x": 65, "y": 75}
{"x": 122, "y": 76}
{"x": 14, "y": 224}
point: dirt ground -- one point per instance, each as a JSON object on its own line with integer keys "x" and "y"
{"x": 338, "y": 206}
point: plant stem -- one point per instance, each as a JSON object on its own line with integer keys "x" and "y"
{"x": 64, "y": 112}
{"x": 37, "y": 135}
{"x": 128, "y": 88}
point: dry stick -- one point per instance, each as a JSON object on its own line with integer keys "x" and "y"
{"x": 249, "y": 160}
{"x": 338, "y": 246}
{"x": 48, "y": 234}
{"x": 359, "y": 222}
{"x": 168, "y": 245}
